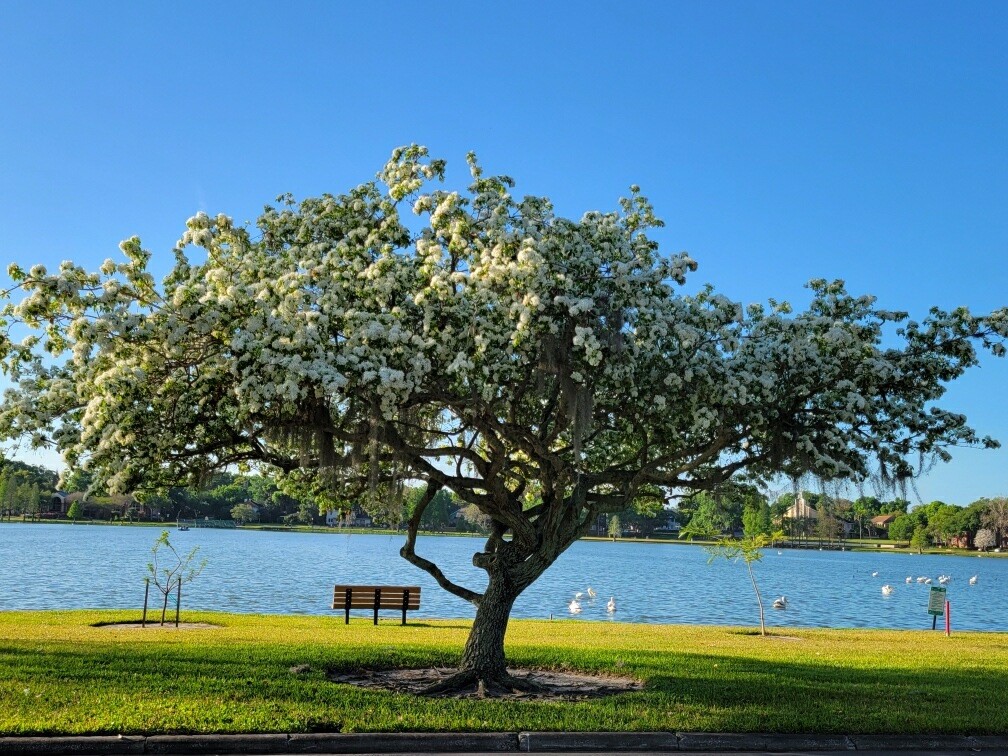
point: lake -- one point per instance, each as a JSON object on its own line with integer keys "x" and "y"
{"x": 47, "y": 566}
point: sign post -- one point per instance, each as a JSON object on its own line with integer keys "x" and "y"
{"x": 936, "y": 604}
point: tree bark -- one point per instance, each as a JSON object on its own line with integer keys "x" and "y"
{"x": 483, "y": 665}
{"x": 484, "y": 650}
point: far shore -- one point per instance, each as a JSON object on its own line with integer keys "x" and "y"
{"x": 869, "y": 545}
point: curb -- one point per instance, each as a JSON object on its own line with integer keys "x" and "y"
{"x": 502, "y": 742}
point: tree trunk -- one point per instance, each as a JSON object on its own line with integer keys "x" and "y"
{"x": 483, "y": 666}
{"x": 759, "y": 599}
{"x": 484, "y": 650}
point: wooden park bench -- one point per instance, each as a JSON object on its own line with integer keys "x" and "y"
{"x": 375, "y": 597}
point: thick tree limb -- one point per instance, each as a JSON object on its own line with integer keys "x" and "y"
{"x": 408, "y": 551}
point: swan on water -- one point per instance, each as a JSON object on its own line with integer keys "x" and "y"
{"x": 973, "y": 580}
{"x": 909, "y": 580}
{"x": 780, "y": 603}
{"x": 591, "y": 592}
{"x": 611, "y": 606}
{"x": 574, "y": 607}
{"x": 887, "y": 590}
{"x": 875, "y": 574}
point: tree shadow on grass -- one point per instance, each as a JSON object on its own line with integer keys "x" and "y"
{"x": 437, "y": 626}
{"x": 689, "y": 691}
{"x": 827, "y": 697}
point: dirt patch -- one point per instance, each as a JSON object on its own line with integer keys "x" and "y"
{"x": 155, "y": 626}
{"x": 555, "y": 686}
{"x": 768, "y": 636}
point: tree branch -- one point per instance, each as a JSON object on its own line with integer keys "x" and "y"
{"x": 408, "y": 551}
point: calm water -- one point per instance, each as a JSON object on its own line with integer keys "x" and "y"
{"x": 45, "y": 566}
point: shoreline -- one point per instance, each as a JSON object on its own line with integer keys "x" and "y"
{"x": 874, "y": 547}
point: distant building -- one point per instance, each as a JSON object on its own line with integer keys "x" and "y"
{"x": 355, "y": 518}
{"x": 801, "y": 510}
{"x": 670, "y": 525}
{"x": 119, "y": 505}
{"x": 961, "y": 541}
{"x": 881, "y": 523}
{"x": 59, "y": 503}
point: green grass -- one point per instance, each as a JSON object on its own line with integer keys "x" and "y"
{"x": 61, "y": 675}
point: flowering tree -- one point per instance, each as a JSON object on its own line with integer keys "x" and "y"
{"x": 984, "y": 539}
{"x": 995, "y": 516}
{"x": 546, "y": 370}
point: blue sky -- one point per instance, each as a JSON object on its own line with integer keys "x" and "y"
{"x": 779, "y": 141}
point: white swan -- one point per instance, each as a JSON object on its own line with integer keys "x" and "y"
{"x": 973, "y": 580}
{"x": 923, "y": 579}
{"x": 574, "y": 607}
{"x": 780, "y": 603}
{"x": 578, "y": 595}
{"x": 909, "y": 580}
{"x": 591, "y": 592}
{"x": 611, "y": 606}
{"x": 943, "y": 579}
{"x": 887, "y": 590}
{"x": 875, "y": 574}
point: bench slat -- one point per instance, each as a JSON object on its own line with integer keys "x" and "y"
{"x": 389, "y": 597}
{"x": 386, "y": 603}
{"x": 384, "y": 589}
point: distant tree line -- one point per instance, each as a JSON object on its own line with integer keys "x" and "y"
{"x": 24, "y": 489}
{"x": 734, "y": 508}
{"x": 247, "y": 498}
{"x": 983, "y": 524}
{"x": 742, "y": 509}
{"x": 225, "y": 495}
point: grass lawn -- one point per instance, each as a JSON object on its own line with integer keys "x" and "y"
{"x": 59, "y": 675}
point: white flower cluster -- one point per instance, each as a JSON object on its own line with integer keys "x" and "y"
{"x": 485, "y": 321}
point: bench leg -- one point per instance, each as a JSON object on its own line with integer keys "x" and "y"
{"x": 405, "y": 603}
{"x": 346, "y": 606}
{"x": 377, "y": 602}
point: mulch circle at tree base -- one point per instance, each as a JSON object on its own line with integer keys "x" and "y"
{"x": 554, "y": 686}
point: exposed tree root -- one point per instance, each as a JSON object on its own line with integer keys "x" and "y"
{"x": 451, "y": 684}
{"x": 485, "y": 685}
{"x": 518, "y": 684}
